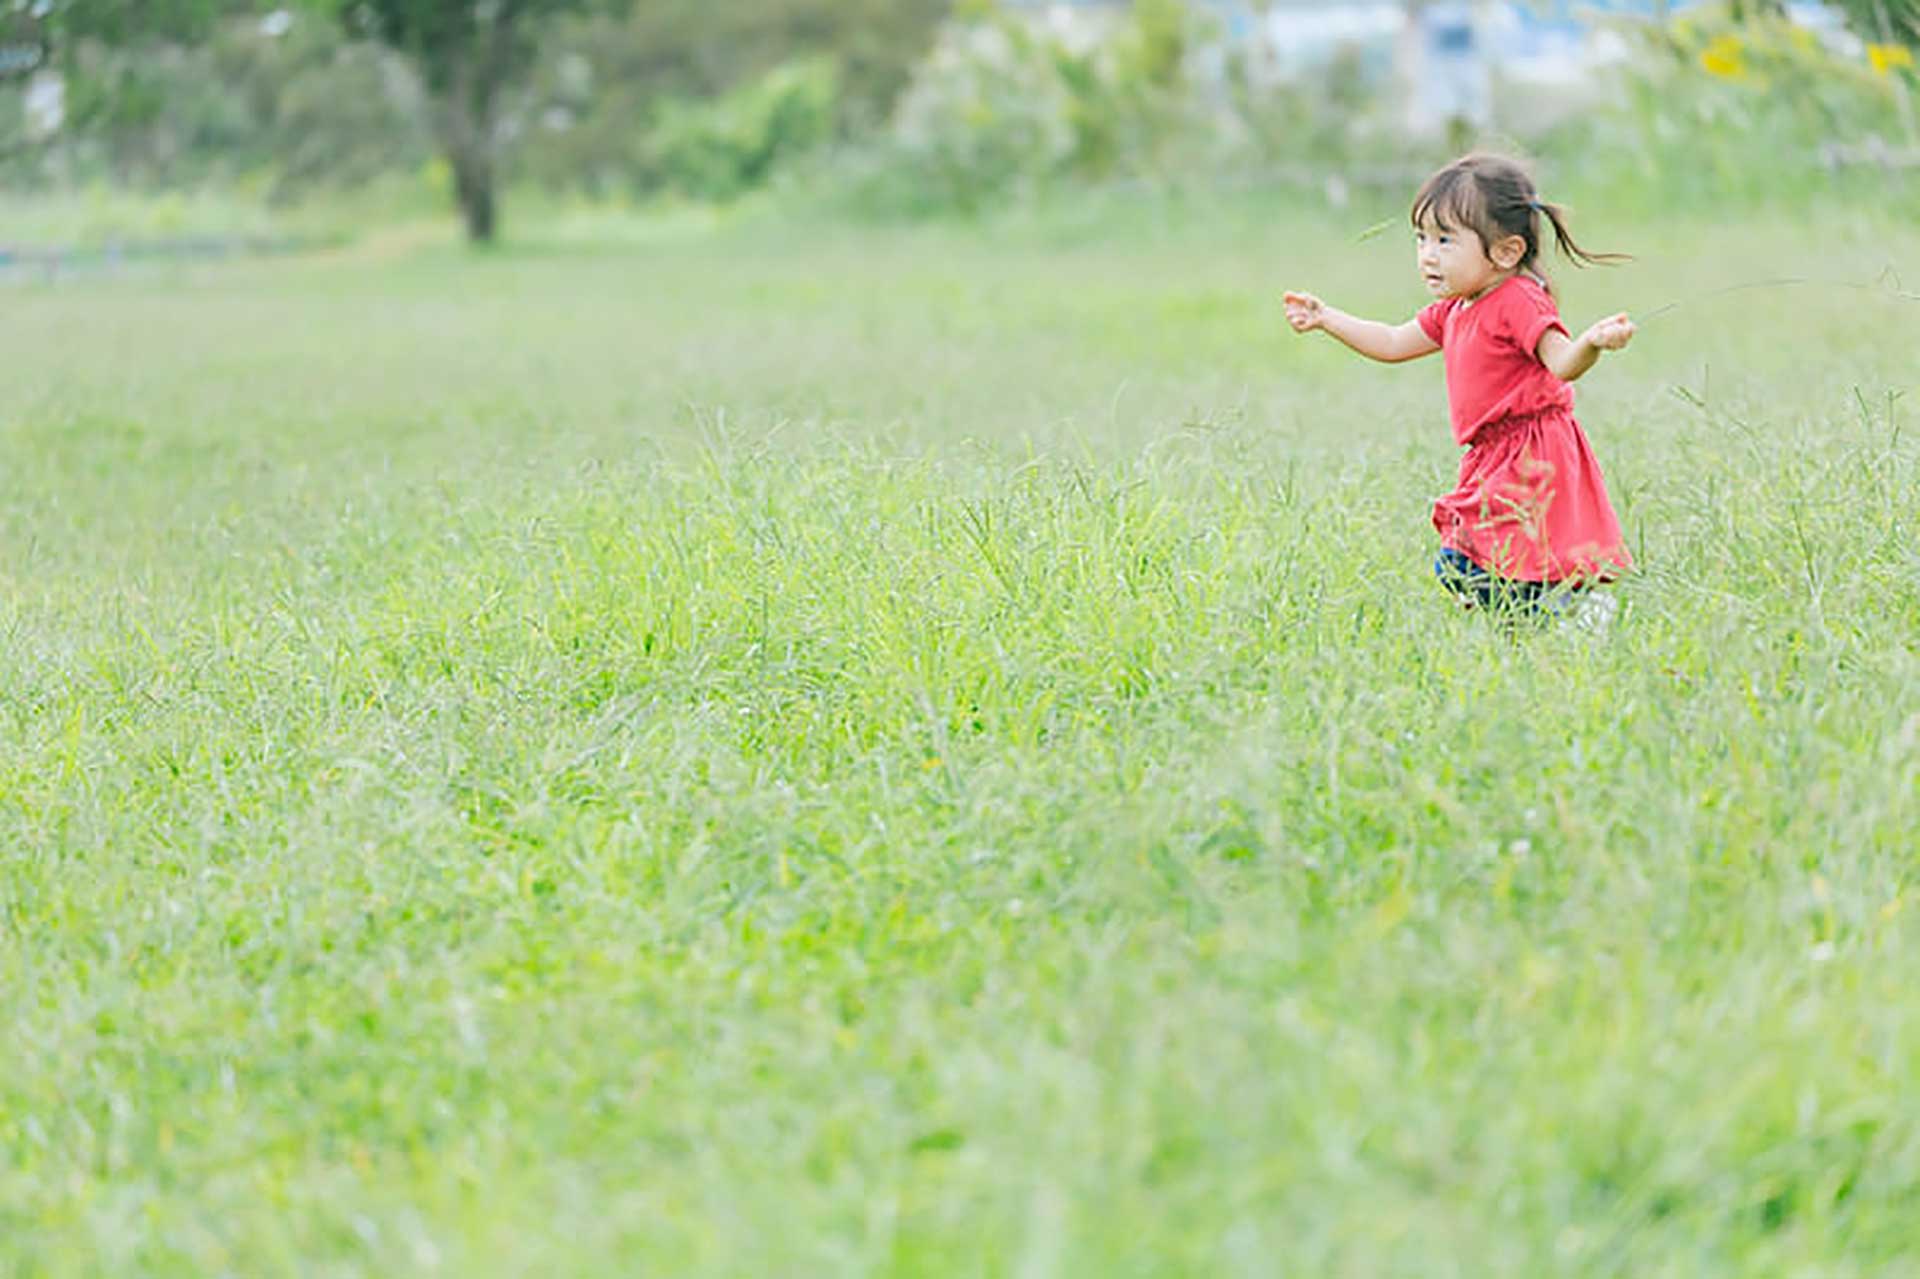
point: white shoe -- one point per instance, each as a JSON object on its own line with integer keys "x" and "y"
{"x": 1591, "y": 611}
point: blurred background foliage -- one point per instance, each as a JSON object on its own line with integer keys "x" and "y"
{"x": 928, "y": 107}
{"x": 1721, "y": 109}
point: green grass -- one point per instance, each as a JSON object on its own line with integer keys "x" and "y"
{"x": 791, "y": 751}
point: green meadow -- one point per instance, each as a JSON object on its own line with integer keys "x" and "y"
{"x": 775, "y": 750}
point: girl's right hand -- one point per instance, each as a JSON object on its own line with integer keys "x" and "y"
{"x": 1304, "y": 311}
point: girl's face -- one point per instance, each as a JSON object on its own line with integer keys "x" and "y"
{"x": 1455, "y": 262}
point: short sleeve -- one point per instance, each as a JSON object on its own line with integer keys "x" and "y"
{"x": 1528, "y": 315}
{"x": 1433, "y": 319}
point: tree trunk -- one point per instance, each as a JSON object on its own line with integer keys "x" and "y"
{"x": 473, "y": 189}
{"x": 467, "y": 128}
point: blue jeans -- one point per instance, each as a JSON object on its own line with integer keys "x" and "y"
{"x": 1482, "y": 589}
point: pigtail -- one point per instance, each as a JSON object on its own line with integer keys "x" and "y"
{"x": 1569, "y": 247}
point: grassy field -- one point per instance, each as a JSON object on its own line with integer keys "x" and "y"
{"x": 792, "y": 751}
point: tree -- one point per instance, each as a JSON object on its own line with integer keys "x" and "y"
{"x": 25, "y": 45}
{"x": 62, "y": 23}
{"x": 79, "y": 39}
{"x": 36, "y": 34}
{"x": 468, "y": 53}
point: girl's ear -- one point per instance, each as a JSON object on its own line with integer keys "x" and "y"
{"x": 1507, "y": 251}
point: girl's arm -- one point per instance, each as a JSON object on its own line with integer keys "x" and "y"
{"x": 1388, "y": 343}
{"x": 1567, "y": 358}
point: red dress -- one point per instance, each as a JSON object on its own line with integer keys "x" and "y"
{"x": 1531, "y": 503}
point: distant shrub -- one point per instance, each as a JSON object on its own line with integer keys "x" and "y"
{"x": 1887, "y": 21}
{"x": 720, "y": 148}
{"x": 988, "y": 112}
{"x": 1004, "y": 105}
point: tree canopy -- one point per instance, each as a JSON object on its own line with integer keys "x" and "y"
{"x": 467, "y": 52}
{"x": 136, "y": 21}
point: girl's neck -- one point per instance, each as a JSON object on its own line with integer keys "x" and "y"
{"x": 1498, "y": 280}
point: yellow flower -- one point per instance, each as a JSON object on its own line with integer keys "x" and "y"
{"x": 1722, "y": 57}
{"x": 1883, "y": 58}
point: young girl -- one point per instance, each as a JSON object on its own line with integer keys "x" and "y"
{"x": 1529, "y": 521}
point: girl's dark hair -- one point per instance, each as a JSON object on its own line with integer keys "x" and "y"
{"x": 1494, "y": 197}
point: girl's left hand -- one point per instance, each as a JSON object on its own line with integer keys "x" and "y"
{"x": 1611, "y": 333}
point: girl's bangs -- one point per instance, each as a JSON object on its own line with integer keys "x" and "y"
{"x": 1451, "y": 200}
